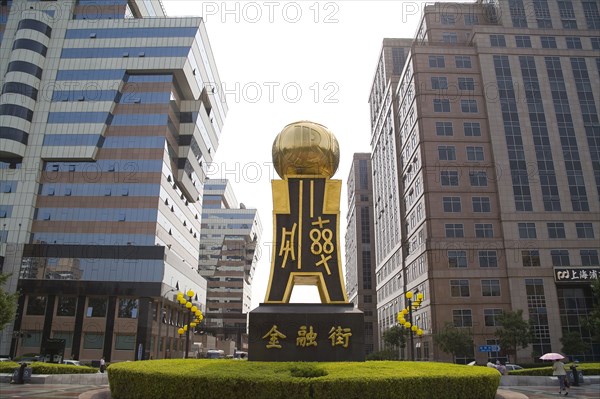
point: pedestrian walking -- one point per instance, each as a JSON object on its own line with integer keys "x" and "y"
{"x": 559, "y": 370}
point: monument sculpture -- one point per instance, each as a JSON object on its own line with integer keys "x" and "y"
{"x": 306, "y": 212}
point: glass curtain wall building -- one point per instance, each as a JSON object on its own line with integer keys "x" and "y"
{"x": 498, "y": 172}
{"x": 107, "y": 120}
{"x": 229, "y": 251}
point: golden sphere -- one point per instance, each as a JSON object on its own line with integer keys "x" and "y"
{"x": 306, "y": 148}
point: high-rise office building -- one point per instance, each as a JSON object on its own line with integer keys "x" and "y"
{"x": 360, "y": 256}
{"x": 497, "y": 156}
{"x": 229, "y": 250}
{"x": 107, "y": 117}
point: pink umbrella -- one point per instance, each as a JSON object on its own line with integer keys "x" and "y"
{"x": 552, "y": 356}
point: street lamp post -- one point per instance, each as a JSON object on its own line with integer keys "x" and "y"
{"x": 413, "y": 328}
{"x": 192, "y": 312}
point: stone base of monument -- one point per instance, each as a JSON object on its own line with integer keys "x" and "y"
{"x": 307, "y": 333}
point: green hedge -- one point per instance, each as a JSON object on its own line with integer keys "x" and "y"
{"x": 48, "y": 368}
{"x": 208, "y": 378}
{"x": 587, "y": 368}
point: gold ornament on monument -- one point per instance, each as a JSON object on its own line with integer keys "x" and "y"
{"x": 306, "y": 148}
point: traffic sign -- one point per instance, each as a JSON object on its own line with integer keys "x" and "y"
{"x": 489, "y": 348}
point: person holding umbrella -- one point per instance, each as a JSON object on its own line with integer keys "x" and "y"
{"x": 558, "y": 369}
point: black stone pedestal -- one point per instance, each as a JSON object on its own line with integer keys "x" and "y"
{"x": 306, "y": 332}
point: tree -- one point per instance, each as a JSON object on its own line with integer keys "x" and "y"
{"x": 395, "y": 337}
{"x": 572, "y": 344}
{"x": 8, "y": 303}
{"x": 593, "y": 319}
{"x": 515, "y": 332}
{"x": 453, "y": 340}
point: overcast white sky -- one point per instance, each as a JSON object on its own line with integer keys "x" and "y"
{"x": 284, "y": 61}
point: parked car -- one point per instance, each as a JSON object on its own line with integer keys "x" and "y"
{"x": 72, "y": 362}
{"x": 512, "y": 367}
{"x": 5, "y": 359}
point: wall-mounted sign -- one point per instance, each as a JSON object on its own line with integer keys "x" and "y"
{"x": 576, "y": 274}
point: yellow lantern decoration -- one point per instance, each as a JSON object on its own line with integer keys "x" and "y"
{"x": 404, "y": 311}
{"x": 180, "y": 331}
{"x": 407, "y": 324}
{"x": 414, "y": 328}
{"x": 185, "y": 328}
{"x": 419, "y": 332}
{"x": 188, "y": 305}
{"x": 190, "y": 293}
{"x": 409, "y": 295}
{"x": 192, "y": 324}
{"x": 402, "y": 320}
{"x": 194, "y": 308}
{"x": 198, "y": 313}
{"x": 420, "y": 296}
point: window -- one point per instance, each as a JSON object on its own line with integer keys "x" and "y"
{"x": 484, "y": 230}
{"x": 567, "y": 15}
{"x": 573, "y": 42}
{"x": 592, "y": 15}
{"x": 462, "y": 61}
{"x": 471, "y": 19}
{"x": 462, "y": 318}
{"x": 556, "y": 230}
{"x": 36, "y": 305}
{"x": 478, "y": 178}
{"x": 488, "y": 259}
{"x": 451, "y": 204}
{"x": 466, "y": 84}
{"x": 449, "y": 177}
{"x": 96, "y": 307}
{"x": 584, "y": 230}
{"x": 527, "y": 230}
{"x": 497, "y": 41}
{"x": 93, "y": 340}
{"x": 437, "y": 61}
{"x": 459, "y": 288}
{"x": 531, "y": 258}
{"x": 448, "y": 19}
{"x": 490, "y": 287}
{"x": 66, "y": 306}
{"x": 589, "y": 257}
{"x": 124, "y": 342}
{"x": 454, "y": 230}
{"x": 449, "y": 37}
{"x": 66, "y": 335}
{"x": 128, "y": 308}
{"x": 457, "y": 258}
{"x": 441, "y": 105}
{"x": 472, "y": 129}
{"x": 523, "y": 41}
{"x": 444, "y": 128}
{"x": 475, "y": 154}
{"x": 490, "y": 317}
{"x": 439, "y": 82}
{"x": 31, "y": 339}
{"x": 469, "y": 106}
{"x": 481, "y": 204}
{"x": 548, "y": 41}
{"x": 446, "y": 153}
{"x": 595, "y": 43}
{"x": 560, "y": 257}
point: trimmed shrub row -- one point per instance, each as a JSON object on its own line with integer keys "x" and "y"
{"x": 587, "y": 368}
{"x": 48, "y": 368}
{"x": 164, "y": 379}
